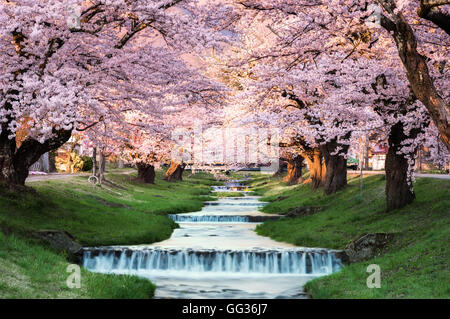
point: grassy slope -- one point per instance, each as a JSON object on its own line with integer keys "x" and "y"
{"x": 28, "y": 270}
{"x": 95, "y": 216}
{"x": 104, "y": 215}
{"x": 415, "y": 265}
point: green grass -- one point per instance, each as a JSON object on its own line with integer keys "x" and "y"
{"x": 125, "y": 212}
{"x": 106, "y": 215}
{"x": 28, "y": 270}
{"x": 434, "y": 171}
{"x": 414, "y": 265}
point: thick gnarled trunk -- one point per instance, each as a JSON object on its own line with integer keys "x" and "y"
{"x": 10, "y": 174}
{"x": 336, "y": 167}
{"x": 146, "y": 173}
{"x": 16, "y": 161}
{"x": 417, "y": 72}
{"x": 317, "y": 168}
{"x": 294, "y": 170}
{"x": 175, "y": 171}
{"x": 398, "y": 191}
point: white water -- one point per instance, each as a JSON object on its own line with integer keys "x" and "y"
{"x": 209, "y": 219}
{"x": 216, "y": 254}
{"x": 280, "y": 261}
{"x": 230, "y": 188}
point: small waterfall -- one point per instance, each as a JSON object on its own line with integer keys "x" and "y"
{"x": 186, "y": 218}
{"x": 209, "y": 218}
{"x": 229, "y": 188}
{"x": 283, "y": 261}
{"x": 235, "y": 203}
{"x": 242, "y": 199}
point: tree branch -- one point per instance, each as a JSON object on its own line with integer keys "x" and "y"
{"x": 429, "y": 10}
{"x": 417, "y": 70}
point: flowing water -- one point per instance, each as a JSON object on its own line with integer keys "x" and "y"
{"x": 216, "y": 254}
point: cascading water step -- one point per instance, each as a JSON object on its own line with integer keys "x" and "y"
{"x": 150, "y": 259}
{"x": 187, "y": 218}
{"x": 229, "y": 188}
{"x": 244, "y": 198}
{"x": 233, "y": 203}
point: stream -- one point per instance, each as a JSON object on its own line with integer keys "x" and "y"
{"x": 216, "y": 254}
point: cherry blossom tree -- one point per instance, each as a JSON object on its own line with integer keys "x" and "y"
{"x": 69, "y": 65}
{"x": 326, "y": 57}
{"x": 421, "y": 46}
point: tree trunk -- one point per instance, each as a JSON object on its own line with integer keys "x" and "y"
{"x": 51, "y": 162}
{"x": 398, "y": 192}
{"x": 429, "y": 11}
{"x": 101, "y": 168}
{"x": 336, "y": 167}
{"x": 146, "y": 173}
{"x": 294, "y": 170}
{"x": 103, "y": 163}
{"x": 317, "y": 168}
{"x": 9, "y": 173}
{"x": 419, "y": 161}
{"x": 418, "y": 74}
{"x": 16, "y": 161}
{"x": 175, "y": 171}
